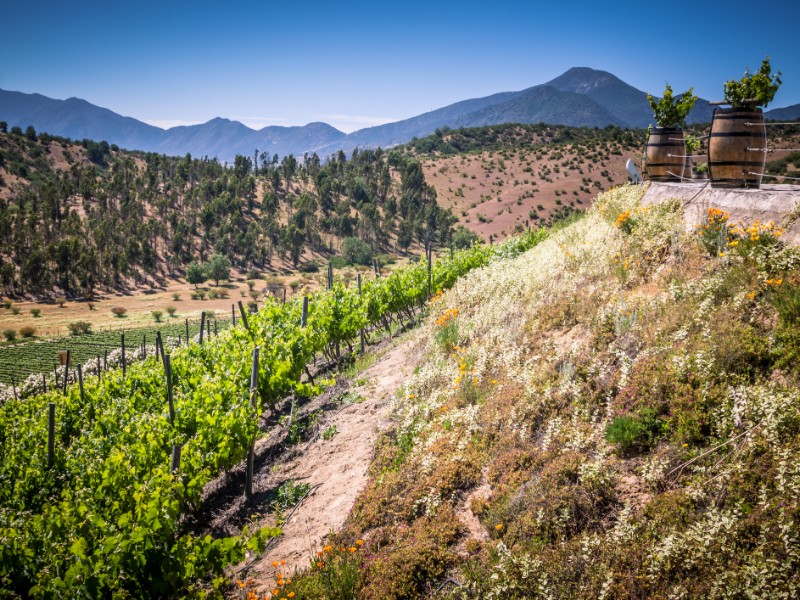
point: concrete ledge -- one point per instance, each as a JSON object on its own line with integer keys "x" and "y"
{"x": 775, "y": 202}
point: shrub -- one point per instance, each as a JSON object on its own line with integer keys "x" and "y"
{"x": 176, "y": 296}
{"x": 79, "y": 327}
{"x": 446, "y": 335}
{"x": 636, "y": 432}
{"x": 92, "y": 306}
{"x": 15, "y": 310}
{"x": 714, "y": 234}
{"x": 36, "y": 312}
{"x": 10, "y": 334}
{"x": 27, "y": 331}
{"x": 119, "y": 311}
{"x": 339, "y": 262}
{"x": 309, "y": 267}
{"x": 171, "y": 310}
{"x": 61, "y": 301}
{"x": 157, "y": 314}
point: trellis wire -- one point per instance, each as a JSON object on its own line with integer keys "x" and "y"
{"x": 770, "y": 124}
{"x": 775, "y": 176}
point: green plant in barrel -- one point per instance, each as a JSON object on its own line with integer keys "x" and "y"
{"x": 753, "y": 90}
{"x": 670, "y": 110}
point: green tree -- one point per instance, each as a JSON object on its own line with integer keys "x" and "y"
{"x": 195, "y": 274}
{"x": 356, "y": 251}
{"x": 464, "y": 238}
{"x": 218, "y": 268}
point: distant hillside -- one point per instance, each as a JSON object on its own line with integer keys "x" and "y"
{"x": 505, "y": 178}
{"x": 218, "y": 138}
{"x": 80, "y": 217}
{"x": 790, "y": 113}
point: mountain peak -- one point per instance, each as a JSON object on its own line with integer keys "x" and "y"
{"x": 582, "y": 80}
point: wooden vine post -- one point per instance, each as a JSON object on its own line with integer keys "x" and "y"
{"x": 175, "y": 463}
{"x": 80, "y": 383}
{"x": 251, "y": 452}
{"x": 304, "y": 314}
{"x": 233, "y": 315}
{"x": 122, "y": 343}
{"x": 66, "y": 371}
{"x": 361, "y": 333}
{"x": 202, "y": 325}
{"x": 244, "y": 316}
{"x": 168, "y": 373}
{"x": 429, "y": 255}
{"x": 187, "y": 331}
{"x": 51, "y": 433}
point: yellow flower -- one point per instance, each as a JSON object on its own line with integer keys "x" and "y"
{"x": 359, "y": 542}
{"x": 778, "y": 281}
{"x": 499, "y": 527}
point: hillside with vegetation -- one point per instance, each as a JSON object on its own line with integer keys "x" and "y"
{"x": 76, "y": 217}
{"x": 613, "y": 414}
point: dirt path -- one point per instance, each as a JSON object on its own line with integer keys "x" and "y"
{"x": 336, "y": 469}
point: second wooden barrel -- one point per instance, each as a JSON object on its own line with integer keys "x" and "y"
{"x": 666, "y": 153}
{"x": 737, "y": 148}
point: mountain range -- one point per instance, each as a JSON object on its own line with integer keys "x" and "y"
{"x": 580, "y": 97}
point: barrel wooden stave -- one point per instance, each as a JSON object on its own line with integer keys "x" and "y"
{"x": 737, "y": 148}
{"x": 665, "y": 154}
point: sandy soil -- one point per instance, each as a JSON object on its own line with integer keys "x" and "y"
{"x": 336, "y": 469}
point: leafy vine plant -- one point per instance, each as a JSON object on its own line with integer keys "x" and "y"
{"x": 669, "y": 110}
{"x": 753, "y": 90}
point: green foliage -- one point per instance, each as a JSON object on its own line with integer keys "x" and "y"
{"x": 753, "y": 90}
{"x": 670, "y": 111}
{"x": 27, "y": 331}
{"x": 218, "y": 268}
{"x": 330, "y": 432}
{"x": 785, "y": 299}
{"x": 464, "y": 238}
{"x": 195, "y": 273}
{"x": 290, "y": 493}
{"x": 10, "y": 334}
{"x": 638, "y": 432}
{"x": 157, "y": 314}
{"x": 79, "y": 327}
{"x": 119, "y": 311}
{"x": 355, "y": 251}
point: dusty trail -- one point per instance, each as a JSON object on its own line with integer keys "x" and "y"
{"x": 336, "y": 469}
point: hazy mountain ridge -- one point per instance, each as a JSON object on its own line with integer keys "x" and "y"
{"x": 580, "y": 97}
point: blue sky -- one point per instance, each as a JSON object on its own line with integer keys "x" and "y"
{"x": 356, "y": 64}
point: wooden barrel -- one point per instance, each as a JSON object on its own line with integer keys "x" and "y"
{"x": 665, "y": 154}
{"x": 737, "y": 148}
